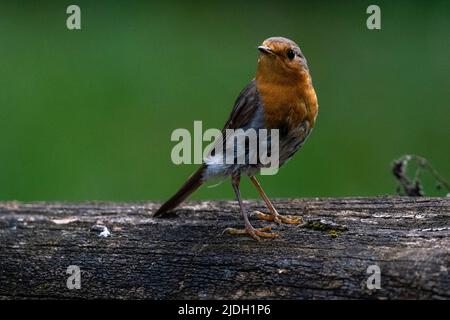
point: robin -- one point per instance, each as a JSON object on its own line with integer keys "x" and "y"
{"x": 280, "y": 97}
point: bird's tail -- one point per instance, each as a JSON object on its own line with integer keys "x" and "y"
{"x": 192, "y": 184}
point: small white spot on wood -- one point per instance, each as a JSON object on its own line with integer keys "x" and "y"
{"x": 105, "y": 233}
{"x": 103, "y": 230}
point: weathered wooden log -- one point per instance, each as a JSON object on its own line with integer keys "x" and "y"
{"x": 186, "y": 256}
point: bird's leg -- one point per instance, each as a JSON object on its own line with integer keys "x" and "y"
{"x": 249, "y": 229}
{"x": 274, "y": 215}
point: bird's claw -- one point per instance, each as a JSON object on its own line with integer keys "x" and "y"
{"x": 255, "y": 233}
{"x": 278, "y": 218}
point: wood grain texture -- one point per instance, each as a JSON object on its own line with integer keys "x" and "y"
{"x": 185, "y": 256}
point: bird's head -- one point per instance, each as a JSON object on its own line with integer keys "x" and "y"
{"x": 281, "y": 59}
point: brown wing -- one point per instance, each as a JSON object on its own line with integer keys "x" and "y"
{"x": 245, "y": 107}
{"x": 244, "y": 111}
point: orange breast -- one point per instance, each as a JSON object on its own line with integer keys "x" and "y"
{"x": 288, "y": 103}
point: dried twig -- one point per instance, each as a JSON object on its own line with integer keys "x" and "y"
{"x": 413, "y": 187}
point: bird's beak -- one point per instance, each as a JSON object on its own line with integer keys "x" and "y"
{"x": 265, "y": 50}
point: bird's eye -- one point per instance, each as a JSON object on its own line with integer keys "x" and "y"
{"x": 290, "y": 54}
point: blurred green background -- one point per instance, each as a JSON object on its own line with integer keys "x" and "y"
{"x": 87, "y": 115}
